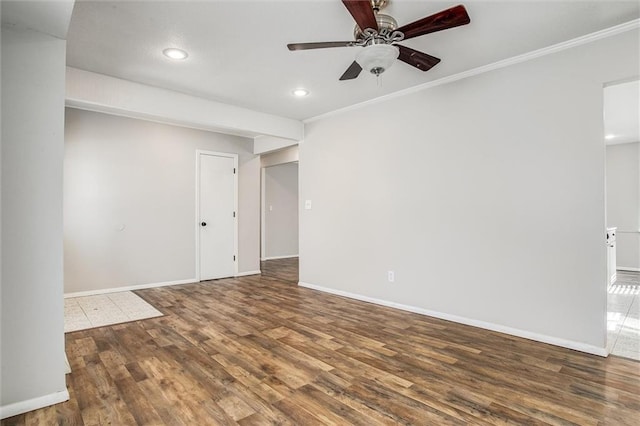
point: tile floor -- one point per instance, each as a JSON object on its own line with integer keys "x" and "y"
{"x": 81, "y": 313}
{"x": 623, "y": 316}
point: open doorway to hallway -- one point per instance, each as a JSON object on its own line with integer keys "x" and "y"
{"x": 280, "y": 209}
{"x": 622, "y": 139}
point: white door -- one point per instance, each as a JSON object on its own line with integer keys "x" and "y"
{"x": 217, "y": 216}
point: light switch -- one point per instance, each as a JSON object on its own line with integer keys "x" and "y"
{"x": 270, "y": 208}
{"x": 307, "y": 204}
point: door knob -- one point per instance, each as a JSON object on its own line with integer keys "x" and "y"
{"x": 204, "y": 224}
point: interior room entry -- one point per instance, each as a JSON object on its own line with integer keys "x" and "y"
{"x": 280, "y": 211}
{"x": 622, "y": 141}
{"x": 216, "y": 215}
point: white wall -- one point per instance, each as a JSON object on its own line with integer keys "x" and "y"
{"x": 266, "y": 144}
{"x": 281, "y": 211}
{"x": 485, "y": 196}
{"x": 33, "y": 366}
{"x": 102, "y": 93}
{"x": 282, "y": 156}
{"x": 129, "y": 201}
{"x": 623, "y": 201}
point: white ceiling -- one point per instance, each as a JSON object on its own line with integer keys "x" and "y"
{"x": 622, "y": 112}
{"x": 238, "y": 51}
{"x": 50, "y": 17}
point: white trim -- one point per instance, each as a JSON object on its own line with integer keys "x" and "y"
{"x": 16, "y": 408}
{"x": 618, "y": 29}
{"x": 244, "y": 274}
{"x": 128, "y": 288}
{"x": 236, "y": 210}
{"x": 570, "y": 344}
{"x": 67, "y": 367}
{"x": 288, "y": 256}
{"x": 197, "y": 217}
{"x": 200, "y": 152}
{"x": 627, "y": 268}
{"x": 263, "y": 212}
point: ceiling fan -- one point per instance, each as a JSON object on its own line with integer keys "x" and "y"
{"x": 379, "y": 34}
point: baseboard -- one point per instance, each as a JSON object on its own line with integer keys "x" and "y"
{"x": 627, "y": 268}
{"x": 570, "y": 344}
{"x": 244, "y": 274}
{"x": 67, "y": 367}
{"x": 128, "y": 288}
{"x": 289, "y": 256}
{"x": 16, "y": 408}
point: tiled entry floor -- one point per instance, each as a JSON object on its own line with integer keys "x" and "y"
{"x": 623, "y": 316}
{"x": 85, "y": 312}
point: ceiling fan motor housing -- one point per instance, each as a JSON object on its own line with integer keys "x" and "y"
{"x": 386, "y": 23}
{"x": 378, "y": 53}
{"x": 378, "y": 5}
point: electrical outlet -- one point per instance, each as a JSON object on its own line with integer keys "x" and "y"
{"x": 391, "y": 276}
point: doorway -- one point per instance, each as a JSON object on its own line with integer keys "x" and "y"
{"x": 622, "y": 148}
{"x": 280, "y": 210}
{"x": 216, "y": 215}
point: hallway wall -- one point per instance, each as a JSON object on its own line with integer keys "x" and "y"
{"x": 281, "y": 211}
{"x": 623, "y": 202}
{"x": 129, "y": 201}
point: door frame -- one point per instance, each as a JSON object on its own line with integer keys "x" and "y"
{"x": 263, "y": 208}
{"x": 263, "y": 215}
{"x": 200, "y": 152}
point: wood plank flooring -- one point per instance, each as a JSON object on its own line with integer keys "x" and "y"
{"x": 281, "y": 269}
{"x": 259, "y": 350}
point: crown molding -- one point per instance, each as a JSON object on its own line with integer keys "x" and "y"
{"x": 589, "y": 38}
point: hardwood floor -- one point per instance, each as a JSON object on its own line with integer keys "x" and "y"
{"x": 260, "y": 350}
{"x": 281, "y": 269}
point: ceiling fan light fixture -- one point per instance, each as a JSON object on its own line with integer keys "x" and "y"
{"x": 377, "y": 58}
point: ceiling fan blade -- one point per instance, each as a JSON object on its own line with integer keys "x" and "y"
{"x": 450, "y": 18}
{"x": 362, "y": 13}
{"x": 352, "y": 72}
{"x": 417, "y": 59}
{"x": 319, "y": 45}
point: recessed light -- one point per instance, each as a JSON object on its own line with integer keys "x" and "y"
{"x": 609, "y": 137}
{"x": 300, "y": 92}
{"x": 174, "y": 53}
